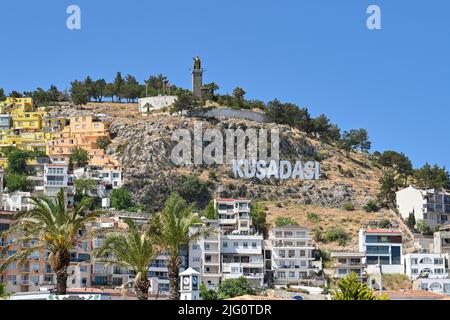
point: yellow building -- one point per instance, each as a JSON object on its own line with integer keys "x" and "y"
{"x": 24, "y": 104}
{"x": 24, "y": 120}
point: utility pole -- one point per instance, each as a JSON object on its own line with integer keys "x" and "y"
{"x": 381, "y": 278}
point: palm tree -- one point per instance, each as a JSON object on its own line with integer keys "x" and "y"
{"x": 132, "y": 249}
{"x": 239, "y": 94}
{"x": 49, "y": 225}
{"x": 172, "y": 230}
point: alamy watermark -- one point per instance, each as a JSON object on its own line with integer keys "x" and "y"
{"x": 374, "y": 20}
{"x": 249, "y": 152}
{"x": 73, "y": 22}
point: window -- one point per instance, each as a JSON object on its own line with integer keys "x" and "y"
{"x": 447, "y": 287}
{"x": 301, "y": 233}
{"x": 195, "y": 247}
{"x": 342, "y": 261}
{"x": 236, "y": 244}
{"x": 439, "y": 271}
{"x": 117, "y": 281}
{"x": 281, "y": 275}
{"x": 100, "y": 281}
{"x": 439, "y": 261}
{"x": 225, "y": 244}
{"x": 435, "y": 286}
{"x": 83, "y": 268}
{"x": 377, "y": 249}
{"x": 414, "y": 260}
{"x": 245, "y": 245}
{"x": 254, "y": 245}
{"x": 34, "y": 280}
{"x": 426, "y": 260}
{"x": 291, "y": 274}
{"x": 196, "y": 259}
{"x": 342, "y": 271}
{"x": 414, "y": 271}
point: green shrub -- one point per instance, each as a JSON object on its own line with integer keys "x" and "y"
{"x": 213, "y": 176}
{"x": 338, "y": 234}
{"x": 318, "y": 234}
{"x": 285, "y": 221}
{"x": 348, "y": 206}
{"x": 385, "y": 224}
{"x": 372, "y": 206}
{"x": 313, "y": 217}
{"x": 121, "y": 199}
{"x": 194, "y": 190}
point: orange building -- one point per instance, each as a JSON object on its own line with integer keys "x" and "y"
{"x": 27, "y": 276}
{"x": 82, "y": 132}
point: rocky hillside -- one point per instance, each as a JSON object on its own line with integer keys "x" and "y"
{"x": 144, "y": 146}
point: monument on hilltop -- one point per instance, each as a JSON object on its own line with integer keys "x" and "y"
{"x": 197, "y": 78}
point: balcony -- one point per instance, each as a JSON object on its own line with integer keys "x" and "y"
{"x": 228, "y": 221}
{"x": 293, "y": 267}
{"x": 305, "y": 246}
{"x": 352, "y": 264}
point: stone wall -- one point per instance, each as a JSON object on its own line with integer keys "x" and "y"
{"x": 232, "y": 114}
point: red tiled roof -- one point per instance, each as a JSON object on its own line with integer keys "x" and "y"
{"x": 231, "y": 199}
{"x": 415, "y": 294}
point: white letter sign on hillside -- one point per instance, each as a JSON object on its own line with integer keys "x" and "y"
{"x": 247, "y": 152}
{"x": 74, "y": 20}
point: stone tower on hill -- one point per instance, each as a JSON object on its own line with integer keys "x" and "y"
{"x": 197, "y": 78}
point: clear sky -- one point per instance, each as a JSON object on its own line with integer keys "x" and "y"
{"x": 316, "y": 53}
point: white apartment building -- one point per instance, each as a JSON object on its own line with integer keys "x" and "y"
{"x": 429, "y": 205}
{"x": 204, "y": 255}
{"x": 56, "y": 176}
{"x": 441, "y": 285}
{"x": 242, "y": 255}
{"x": 158, "y": 270}
{"x": 384, "y": 247}
{"x": 292, "y": 255}
{"x": 428, "y": 265}
{"x": 442, "y": 240}
{"x": 225, "y": 254}
{"x": 107, "y": 179}
{"x": 344, "y": 263}
{"x": 234, "y": 215}
{"x": 16, "y": 201}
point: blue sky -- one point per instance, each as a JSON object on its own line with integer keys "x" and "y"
{"x": 395, "y": 82}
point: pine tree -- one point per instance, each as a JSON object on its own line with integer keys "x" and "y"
{"x": 352, "y": 289}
